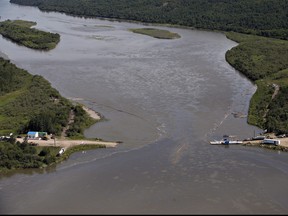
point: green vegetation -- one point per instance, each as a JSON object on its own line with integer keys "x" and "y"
{"x": 261, "y": 59}
{"x": 30, "y": 103}
{"x": 81, "y": 121}
{"x": 20, "y": 31}
{"x": 157, "y": 33}
{"x": 78, "y": 148}
{"x": 258, "y": 57}
{"x": 259, "y": 103}
{"x": 264, "y": 60}
{"x": 264, "y": 18}
{"x": 16, "y": 155}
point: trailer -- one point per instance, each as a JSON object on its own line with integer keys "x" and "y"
{"x": 271, "y": 141}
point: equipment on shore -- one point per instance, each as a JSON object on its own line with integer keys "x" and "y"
{"x": 226, "y": 141}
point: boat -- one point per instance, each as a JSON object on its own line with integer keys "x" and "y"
{"x": 61, "y": 151}
{"x": 226, "y": 140}
{"x": 235, "y": 142}
{"x": 216, "y": 142}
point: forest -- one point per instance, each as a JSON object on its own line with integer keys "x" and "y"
{"x": 28, "y": 102}
{"x": 264, "y": 61}
{"x": 265, "y": 18}
{"x": 16, "y": 155}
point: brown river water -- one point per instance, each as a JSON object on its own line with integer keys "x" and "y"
{"x": 165, "y": 99}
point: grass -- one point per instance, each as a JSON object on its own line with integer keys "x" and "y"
{"x": 78, "y": 148}
{"x": 24, "y": 23}
{"x": 53, "y": 149}
{"x": 156, "y": 33}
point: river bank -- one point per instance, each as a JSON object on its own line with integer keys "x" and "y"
{"x": 258, "y": 143}
{"x": 66, "y": 143}
{"x": 93, "y": 114}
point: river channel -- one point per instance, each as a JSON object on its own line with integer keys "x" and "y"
{"x": 165, "y": 99}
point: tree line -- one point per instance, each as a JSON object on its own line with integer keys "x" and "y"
{"x": 264, "y": 61}
{"x": 16, "y": 155}
{"x": 265, "y": 18}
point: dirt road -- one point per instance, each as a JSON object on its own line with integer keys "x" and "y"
{"x": 66, "y": 143}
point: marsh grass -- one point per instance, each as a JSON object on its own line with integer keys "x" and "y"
{"x": 156, "y": 33}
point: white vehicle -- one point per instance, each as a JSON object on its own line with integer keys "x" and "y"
{"x": 271, "y": 141}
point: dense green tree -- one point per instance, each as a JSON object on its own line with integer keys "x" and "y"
{"x": 20, "y": 32}
{"x": 30, "y": 103}
{"x": 264, "y": 60}
{"x": 20, "y": 155}
{"x": 266, "y": 17}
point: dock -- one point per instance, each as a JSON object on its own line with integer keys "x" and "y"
{"x": 226, "y": 140}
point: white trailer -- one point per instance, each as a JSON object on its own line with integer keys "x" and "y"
{"x": 271, "y": 141}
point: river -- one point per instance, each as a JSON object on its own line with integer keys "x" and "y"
{"x": 165, "y": 99}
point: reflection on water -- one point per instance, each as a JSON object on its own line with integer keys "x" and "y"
{"x": 165, "y": 99}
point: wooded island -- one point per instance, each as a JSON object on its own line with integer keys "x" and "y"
{"x": 20, "y": 32}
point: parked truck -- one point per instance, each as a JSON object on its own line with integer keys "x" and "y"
{"x": 271, "y": 141}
